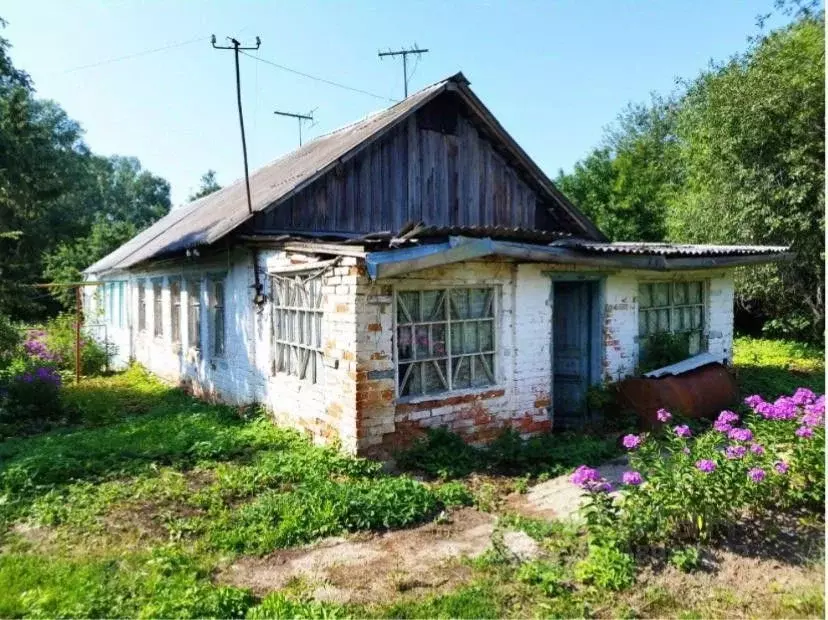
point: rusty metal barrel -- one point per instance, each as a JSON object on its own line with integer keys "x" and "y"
{"x": 700, "y": 392}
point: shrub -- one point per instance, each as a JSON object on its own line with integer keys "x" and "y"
{"x": 453, "y": 494}
{"x": 10, "y": 340}
{"x": 662, "y": 350}
{"x": 60, "y": 339}
{"x": 606, "y": 567}
{"x": 32, "y": 396}
{"x": 687, "y": 488}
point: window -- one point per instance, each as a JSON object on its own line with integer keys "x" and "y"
{"x": 142, "y": 307}
{"x": 672, "y": 308}
{"x": 445, "y": 340}
{"x": 121, "y": 287}
{"x": 110, "y": 303}
{"x": 175, "y": 311}
{"x": 157, "y": 317}
{"x": 194, "y": 314}
{"x": 297, "y": 326}
{"x": 217, "y": 312}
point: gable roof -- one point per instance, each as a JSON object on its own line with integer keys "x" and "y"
{"x": 210, "y": 218}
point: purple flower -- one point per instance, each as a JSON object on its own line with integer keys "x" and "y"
{"x": 722, "y": 427}
{"x": 663, "y": 415}
{"x": 754, "y": 401}
{"x": 784, "y": 408}
{"x": 584, "y": 475}
{"x": 803, "y": 396}
{"x": 632, "y": 478}
{"x": 757, "y": 448}
{"x": 728, "y": 417}
{"x": 705, "y": 465}
{"x": 756, "y": 474}
{"x": 601, "y": 487}
{"x": 740, "y": 434}
{"x": 805, "y": 432}
{"x": 682, "y": 430}
{"x": 631, "y": 442}
{"x": 817, "y": 407}
{"x": 735, "y": 452}
{"x": 781, "y": 467}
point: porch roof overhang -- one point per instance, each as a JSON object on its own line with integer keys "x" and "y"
{"x": 649, "y": 257}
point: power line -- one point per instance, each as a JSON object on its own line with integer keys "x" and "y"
{"x": 404, "y": 53}
{"x": 319, "y": 79}
{"x": 136, "y": 54}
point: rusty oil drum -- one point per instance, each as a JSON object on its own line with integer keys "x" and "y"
{"x": 702, "y": 392}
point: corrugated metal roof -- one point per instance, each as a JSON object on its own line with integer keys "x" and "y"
{"x": 691, "y": 363}
{"x": 671, "y": 249}
{"x": 208, "y": 219}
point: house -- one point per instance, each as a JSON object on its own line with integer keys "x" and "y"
{"x": 412, "y": 270}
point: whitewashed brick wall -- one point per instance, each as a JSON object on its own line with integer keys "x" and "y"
{"x": 355, "y": 401}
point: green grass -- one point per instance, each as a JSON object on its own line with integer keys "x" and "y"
{"x": 133, "y": 511}
{"x": 774, "y": 367}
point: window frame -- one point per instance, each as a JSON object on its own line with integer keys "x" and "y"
{"x": 672, "y": 307}
{"x": 158, "y": 308}
{"x": 495, "y": 352}
{"x": 121, "y": 302}
{"x": 194, "y": 344}
{"x": 142, "y": 305}
{"x": 314, "y": 364}
{"x": 175, "y": 310}
{"x": 216, "y": 281}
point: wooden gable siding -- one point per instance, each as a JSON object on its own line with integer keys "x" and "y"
{"x": 412, "y": 174}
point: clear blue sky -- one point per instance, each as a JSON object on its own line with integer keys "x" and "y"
{"x": 554, "y": 72}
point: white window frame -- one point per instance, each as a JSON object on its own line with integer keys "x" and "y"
{"x": 306, "y": 360}
{"x": 194, "y": 340}
{"x": 175, "y": 309}
{"x": 141, "y": 295}
{"x": 671, "y": 308}
{"x": 495, "y": 351}
{"x": 157, "y": 308}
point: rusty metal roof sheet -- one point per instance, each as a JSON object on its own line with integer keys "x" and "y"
{"x": 671, "y": 249}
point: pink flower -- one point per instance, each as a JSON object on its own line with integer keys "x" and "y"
{"x": 756, "y": 474}
{"x": 781, "y": 467}
{"x": 740, "y": 434}
{"x": 682, "y": 431}
{"x": 757, "y": 448}
{"x": 663, "y": 415}
{"x": 584, "y": 475}
{"x": 632, "y": 478}
{"x": 728, "y": 417}
{"x": 806, "y": 432}
{"x": 735, "y": 452}
{"x": 803, "y": 396}
{"x": 706, "y": 466}
{"x": 631, "y": 442}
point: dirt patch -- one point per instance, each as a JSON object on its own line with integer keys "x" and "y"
{"x": 374, "y": 568}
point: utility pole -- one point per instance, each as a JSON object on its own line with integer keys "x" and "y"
{"x": 236, "y": 47}
{"x": 404, "y": 54}
{"x": 299, "y": 117}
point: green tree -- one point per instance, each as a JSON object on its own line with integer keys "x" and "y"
{"x": 625, "y": 184}
{"x": 207, "y": 187}
{"x": 753, "y": 148}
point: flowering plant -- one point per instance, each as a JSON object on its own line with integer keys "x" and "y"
{"x": 686, "y": 487}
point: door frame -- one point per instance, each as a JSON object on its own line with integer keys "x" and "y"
{"x": 597, "y": 282}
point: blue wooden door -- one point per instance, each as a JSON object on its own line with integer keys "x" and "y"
{"x": 572, "y": 317}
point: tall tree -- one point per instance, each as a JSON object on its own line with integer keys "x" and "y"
{"x": 753, "y": 135}
{"x": 209, "y": 184}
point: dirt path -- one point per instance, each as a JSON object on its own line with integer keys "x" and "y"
{"x": 373, "y": 568}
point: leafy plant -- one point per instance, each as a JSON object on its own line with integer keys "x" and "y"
{"x": 663, "y": 349}
{"x": 607, "y": 567}
{"x": 686, "y": 559}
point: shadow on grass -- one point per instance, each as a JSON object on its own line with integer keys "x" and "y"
{"x": 771, "y": 381}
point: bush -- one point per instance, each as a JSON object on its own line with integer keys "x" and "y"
{"x": 10, "y": 340}
{"x": 32, "y": 396}
{"x": 607, "y": 567}
{"x": 60, "y": 339}
{"x": 663, "y": 349}
{"x": 685, "y": 488}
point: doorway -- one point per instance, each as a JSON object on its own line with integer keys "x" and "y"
{"x": 576, "y": 349}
